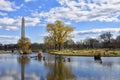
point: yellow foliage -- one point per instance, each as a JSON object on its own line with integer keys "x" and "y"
{"x": 24, "y": 43}
{"x": 58, "y": 32}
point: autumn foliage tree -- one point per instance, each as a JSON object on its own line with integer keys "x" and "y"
{"x": 24, "y": 44}
{"x": 58, "y": 34}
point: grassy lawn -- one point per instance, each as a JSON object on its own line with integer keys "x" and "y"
{"x": 88, "y": 52}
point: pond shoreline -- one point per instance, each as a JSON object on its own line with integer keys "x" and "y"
{"x": 84, "y": 53}
{"x": 5, "y": 52}
{"x": 87, "y": 53}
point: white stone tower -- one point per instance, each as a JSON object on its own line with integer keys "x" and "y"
{"x": 23, "y": 28}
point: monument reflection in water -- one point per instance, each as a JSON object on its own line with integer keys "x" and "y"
{"x": 23, "y": 60}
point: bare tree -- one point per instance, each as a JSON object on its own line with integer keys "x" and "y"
{"x": 91, "y": 42}
{"x": 106, "y": 38}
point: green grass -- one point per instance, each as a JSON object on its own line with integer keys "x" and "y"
{"x": 88, "y": 52}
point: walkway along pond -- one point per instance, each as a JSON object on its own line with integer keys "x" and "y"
{"x": 54, "y": 67}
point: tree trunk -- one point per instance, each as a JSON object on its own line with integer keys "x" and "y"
{"x": 59, "y": 46}
{"x": 55, "y": 47}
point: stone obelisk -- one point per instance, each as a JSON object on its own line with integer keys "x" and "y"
{"x": 23, "y": 28}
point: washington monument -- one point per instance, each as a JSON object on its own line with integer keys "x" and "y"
{"x": 23, "y": 28}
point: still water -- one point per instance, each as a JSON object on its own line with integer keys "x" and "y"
{"x": 54, "y": 67}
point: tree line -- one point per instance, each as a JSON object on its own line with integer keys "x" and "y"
{"x": 105, "y": 40}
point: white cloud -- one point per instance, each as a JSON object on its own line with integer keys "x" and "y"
{"x": 9, "y": 41}
{"x": 0, "y": 27}
{"x": 29, "y": 0}
{"x": 8, "y": 37}
{"x": 43, "y": 35}
{"x": 3, "y": 14}
{"x": 5, "y": 39}
{"x": 83, "y": 10}
{"x": 29, "y": 21}
{"x": 6, "y": 5}
{"x": 11, "y": 28}
{"x": 95, "y": 31}
{"x": 14, "y": 23}
{"x": 7, "y": 20}
{"x": 10, "y": 23}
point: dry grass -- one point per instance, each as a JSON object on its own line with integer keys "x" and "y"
{"x": 88, "y": 52}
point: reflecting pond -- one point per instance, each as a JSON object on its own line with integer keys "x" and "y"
{"x": 54, "y": 67}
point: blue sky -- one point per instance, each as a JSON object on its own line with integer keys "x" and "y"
{"x": 89, "y": 18}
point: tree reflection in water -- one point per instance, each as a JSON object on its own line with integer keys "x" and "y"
{"x": 39, "y": 58}
{"x": 23, "y": 60}
{"x": 58, "y": 70}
